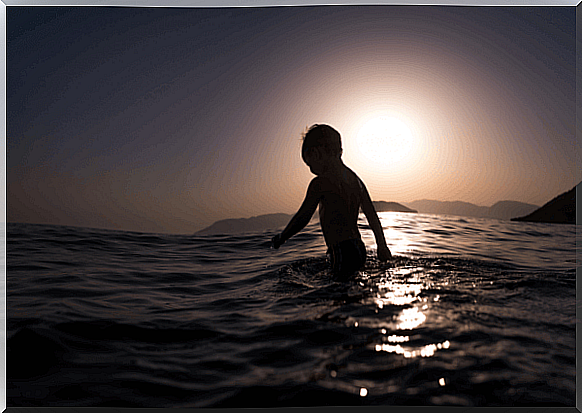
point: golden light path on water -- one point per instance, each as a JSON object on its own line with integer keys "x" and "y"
{"x": 400, "y": 287}
{"x": 400, "y": 242}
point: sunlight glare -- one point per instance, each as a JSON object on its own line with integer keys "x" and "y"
{"x": 385, "y": 140}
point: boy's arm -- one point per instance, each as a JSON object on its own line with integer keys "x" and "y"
{"x": 303, "y": 216}
{"x": 384, "y": 253}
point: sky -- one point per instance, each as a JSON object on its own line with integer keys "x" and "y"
{"x": 169, "y": 119}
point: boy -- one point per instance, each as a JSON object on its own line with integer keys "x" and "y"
{"x": 339, "y": 193}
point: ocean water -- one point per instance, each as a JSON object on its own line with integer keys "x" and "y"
{"x": 471, "y": 312}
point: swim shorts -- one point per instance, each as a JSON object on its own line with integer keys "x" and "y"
{"x": 347, "y": 257}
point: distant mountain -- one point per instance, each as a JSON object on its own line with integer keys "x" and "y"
{"x": 510, "y": 209}
{"x": 258, "y": 223}
{"x": 273, "y": 221}
{"x": 499, "y": 210}
{"x": 427, "y": 206}
{"x": 383, "y": 206}
{"x": 560, "y": 210}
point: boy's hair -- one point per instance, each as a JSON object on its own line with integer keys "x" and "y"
{"x": 322, "y": 136}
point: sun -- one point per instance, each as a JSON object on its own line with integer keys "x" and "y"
{"x": 385, "y": 140}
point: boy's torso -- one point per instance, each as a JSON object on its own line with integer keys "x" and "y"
{"x": 339, "y": 206}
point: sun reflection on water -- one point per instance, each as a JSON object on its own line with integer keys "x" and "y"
{"x": 400, "y": 241}
{"x": 425, "y": 351}
{"x": 410, "y": 318}
{"x": 397, "y": 339}
{"x": 396, "y": 292}
{"x": 391, "y": 222}
{"x": 400, "y": 292}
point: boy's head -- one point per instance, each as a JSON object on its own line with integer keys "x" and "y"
{"x": 323, "y": 138}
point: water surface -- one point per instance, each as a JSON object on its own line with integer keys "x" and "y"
{"x": 472, "y": 312}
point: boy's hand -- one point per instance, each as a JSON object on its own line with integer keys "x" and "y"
{"x": 276, "y": 241}
{"x": 384, "y": 253}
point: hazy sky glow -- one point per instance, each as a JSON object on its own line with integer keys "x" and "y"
{"x": 166, "y": 120}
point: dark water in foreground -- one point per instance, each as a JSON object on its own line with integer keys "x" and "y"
{"x": 472, "y": 312}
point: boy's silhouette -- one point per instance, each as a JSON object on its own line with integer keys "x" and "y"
{"x": 339, "y": 193}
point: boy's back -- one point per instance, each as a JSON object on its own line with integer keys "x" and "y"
{"x": 339, "y": 206}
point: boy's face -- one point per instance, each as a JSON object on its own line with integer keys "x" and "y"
{"x": 316, "y": 160}
{"x": 312, "y": 158}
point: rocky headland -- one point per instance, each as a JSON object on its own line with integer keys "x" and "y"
{"x": 560, "y": 210}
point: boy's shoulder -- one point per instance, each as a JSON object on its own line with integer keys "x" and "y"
{"x": 319, "y": 182}
{"x": 323, "y": 182}
{"x": 322, "y": 185}
{"x": 353, "y": 177}
{"x": 349, "y": 171}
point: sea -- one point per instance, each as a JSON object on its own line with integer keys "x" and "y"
{"x": 470, "y": 312}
